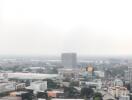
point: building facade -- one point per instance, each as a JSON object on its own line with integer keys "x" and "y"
{"x": 69, "y": 60}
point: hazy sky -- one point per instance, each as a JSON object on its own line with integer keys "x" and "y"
{"x": 88, "y": 27}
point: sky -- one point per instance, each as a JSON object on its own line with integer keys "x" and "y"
{"x": 50, "y": 27}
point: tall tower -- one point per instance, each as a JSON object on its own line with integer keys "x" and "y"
{"x": 130, "y": 74}
{"x": 69, "y": 60}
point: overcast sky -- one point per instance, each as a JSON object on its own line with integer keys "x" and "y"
{"x": 87, "y": 27}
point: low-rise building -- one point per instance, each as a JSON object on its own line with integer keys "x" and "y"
{"x": 38, "y": 86}
{"x": 95, "y": 83}
{"x": 124, "y": 98}
{"x": 7, "y": 87}
{"x": 118, "y": 91}
{"x": 68, "y": 73}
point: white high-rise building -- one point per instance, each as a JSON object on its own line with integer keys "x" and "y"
{"x": 69, "y": 60}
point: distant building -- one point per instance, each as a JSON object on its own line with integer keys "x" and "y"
{"x": 38, "y": 86}
{"x": 118, "y": 82}
{"x": 7, "y": 87}
{"x": 118, "y": 91}
{"x": 99, "y": 74}
{"x": 11, "y": 98}
{"x": 126, "y": 75}
{"x": 68, "y": 73}
{"x": 69, "y": 60}
{"x": 130, "y": 74}
{"x": 124, "y": 97}
{"x": 97, "y": 83}
{"x": 30, "y": 76}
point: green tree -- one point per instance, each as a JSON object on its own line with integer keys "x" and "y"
{"x": 97, "y": 96}
{"x": 74, "y": 83}
{"x": 71, "y": 92}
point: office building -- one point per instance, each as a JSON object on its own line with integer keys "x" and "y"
{"x": 130, "y": 74}
{"x": 69, "y": 60}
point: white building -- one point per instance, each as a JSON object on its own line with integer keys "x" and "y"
{"x": 124, "y": 98}
{"x": 30, "y": 76}
{"x": 96, "y": 83}
{"x": 7, "y": 87}
{"x": 118, "y": 91}
{"x": 99, "y": 74}
{"x": 118, "y": 82}
{"x": 38, "y": 86}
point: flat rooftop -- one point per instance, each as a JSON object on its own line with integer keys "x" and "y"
{"x": 10, "y": 98}
{"x": 18, "y": 75}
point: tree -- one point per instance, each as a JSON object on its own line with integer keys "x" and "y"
{"x": 40, "y": 70}
{"x": 97, "y": 96}
{"x": 51, "y": 84}
{"x": 1, "y": 68}
{"x": 74, "y": 83}
{"x": 28, "y": 69}
{"x": 71, "y": 92}
{"x": 15, "y": 69}
{"x": 87, "y": 92}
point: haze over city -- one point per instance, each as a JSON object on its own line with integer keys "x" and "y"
{"x": 65, "y": 50}
{"x": 50, "y": 27}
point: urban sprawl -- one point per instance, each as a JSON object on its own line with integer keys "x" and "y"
{"x": 67, "y": 77}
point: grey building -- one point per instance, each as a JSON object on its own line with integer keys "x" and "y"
{"x": 130, "y": 73}
{"x": 69, "y": 60}
{"x": 126, "y": 75}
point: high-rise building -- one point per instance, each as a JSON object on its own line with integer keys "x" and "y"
{"x": 130, "y": 74}
{"x": 126, "y": 75}
{"x": 69, "y": 60}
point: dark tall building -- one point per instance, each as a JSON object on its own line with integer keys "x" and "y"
{"x": 69, "y": 60}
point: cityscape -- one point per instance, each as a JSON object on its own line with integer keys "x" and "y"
{"x": 66, "y": 77}
{"x": 65, "y": 50}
